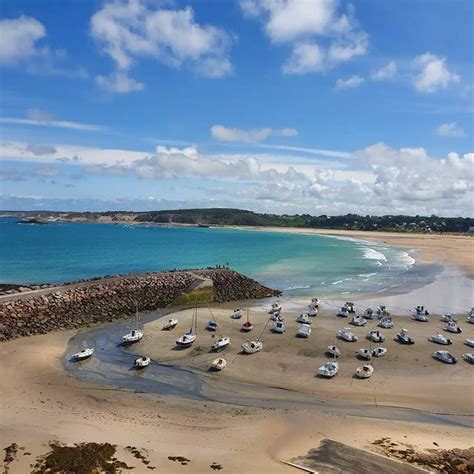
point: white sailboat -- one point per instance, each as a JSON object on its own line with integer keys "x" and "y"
{"x": 470, "y": 316}
{"x": 403, "y": 338}
{"x": 247, "y": 326}
{"x": 82, "y": 354}
{"x": 135, "y": 335}
{"x": 221, "y": 343}
{"x": 312, "y": 311}
{"x": 469, "y": 342}
{"x": 251, "y": 347}
{"x": 447, "y": 318}
{"x": 187, "y": 340}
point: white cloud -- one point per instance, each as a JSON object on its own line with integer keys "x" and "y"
{"x": 450, "y": 130}
{"x": 349, "y": 83}
{"x": 19, "y": 38}
{"x": 133, "y": 29}
{"x": 433, "y": 73}
{"x": 225, "y": 134}
{"x": 389, "y": 71}
{"x": 305, "y": 58}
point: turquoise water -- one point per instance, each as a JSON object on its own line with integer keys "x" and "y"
{"x": 303, "y": 264}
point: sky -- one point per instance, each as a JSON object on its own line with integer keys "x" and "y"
{"x": 282, "y": 106}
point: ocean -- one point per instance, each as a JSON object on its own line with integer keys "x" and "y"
{"x": 295, "y": 263}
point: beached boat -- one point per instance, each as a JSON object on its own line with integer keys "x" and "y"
{"x": 334, "y": 350}
{"x": 358, "y": 321}
{"x": 470, "y": 316}
{"x": 312, "y": 311}
{"x": 247, "y": 326}
{"x": 170, "y": 324}
{"x": 277, "y": 317}
{"x": 368, "y": 313}
{"x": 469, "y": 342}
{"x": 364, "y": 353}
{"x": 452, "y": 327}
{"x": 133, "y": 336}
{"x": 251, "y": 347}
{"x": 304, "y": 330}
{"x": 382, "y": 311}
{"x": 386, "y": 323}
{"x": 83, "y": 354}
{"x": 364, "y": 372}
{"x": 186, "y": 340}
{"x": 236, "y": 314}
{"x": 468, "y": 357}
{"x": 343, "y": 312}
{"x": 375, "y": 335}
{"x": 445, "y": 356}
{"x": 219, "y": 364}
{"x": 350, "y": 307}
{"x": 278, "y": 327}
{"x": 447, "y": 318}
{"x": 275, "y": 308}
{"x": 440, "y": 339}
{"x": 421, "y": 314}
{"x": 403, "y": 338}
{"x": 141, "y": 362}
{"x": 329, "y": 369}
{"x": 315, "y": 302}
{"x": 221, "y": 344}
{"x": 379, "y": 351}
{"x": 303, "y": 318}
{"x": 347, "y": 335}
{"x": 421, "y": 317}
{"x": 211, "y": 326}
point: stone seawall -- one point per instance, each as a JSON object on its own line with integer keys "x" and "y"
{"x": 103, "y": 300}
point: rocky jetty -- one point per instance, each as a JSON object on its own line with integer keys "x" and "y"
{"x": 79, "y": 304}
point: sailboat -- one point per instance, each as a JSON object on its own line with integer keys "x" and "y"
{"x": 223, "y": 341}
{"x": 83, "y": 354}
{"x": 247, "y": 326}
{"x": 252, "y": 347}
{"x": 187, "y": 339}
{"x": 134, "y": 335}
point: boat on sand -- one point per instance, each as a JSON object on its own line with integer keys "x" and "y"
{"x": 219, "y": 364}
{"x": 445, "y": 356}
{"x": 251, "y": 347}
{"x": 170, "y": 324}
{"x": 82, "y": 354}
{"x": 141, "y": 362}
{"x": 329, "y": 369}
{"x": 364, "y": 371}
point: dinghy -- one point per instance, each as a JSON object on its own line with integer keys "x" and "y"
{"x": 452, "y": 327}
{"x": 247, "y": 326}
{"x": 236, "y": 314}
{"x": 379, "y": 351}
{"x": 440, "y": 339}
{"x": 329, "y": 369}
{"x": 469, "y": 342}
{"x": 211, "y": 326}
{"x": 83, "y": 354}
{"x": 219, "y": 364}
{"x": 468, "y": 357}
{"x": 303, "y": 318}
{"x": 364, "y": 372}
{"x": 445, "y": 356}
{"x": 304, "y": 330}
{"x": 358, "y": 321}
{"x": 278, "y": 327}
{"x": 347, "y": 335}
{"x": 221, "y": 344}
{"x": 141, "y": 362}
{"x": 368, "y": 313}
{"x": 133, "y": 336}
{"x": 375, "y": 335}
{"x": 334, "y": 350}
{"x": 447, "y": 318}
{"x": 350, "y": 307}
{"x": 364, "y": 353}
{"x": 170, "y": 324}
{"x": 386, "y": 323}
{"x": 403, "y": 338}
{"x": 312, "y": 311}
{"x": 251, "y": 347}
{"x": 343, "y": 312}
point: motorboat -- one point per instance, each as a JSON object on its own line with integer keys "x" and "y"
{"x": 223, "y": 342}
{"x": 277, "y": 317}
{"x": 275, "y": 308}
{"x": 186, "y": 340}
{"x": 382, "y": 311}
{"x": 329, "y": 369}
{"x": 422, "y": 310}
{"x": 236, "y": 314}
{"x": 469, "y": 342}
{"x": 304, "y": 330}
{"x": 379, "y": 351}
{"x": 141, "y": 362}
{"x": 358, "y": 321}
{"x": 421, "y": 317}
{"x": 447, "y": 318}
{"x": 364, "y": 372}
{"x": 133, "y": 336}
{"x": 170, "y": 324}
{"x": 468, "y": 357}
{"x": 347, "y": 335}
{"x": 364, "y": 353}
{"x": 315, "y": 302}
{"x": 445, "y": 356}
{"x": 343, "y": 312}
{"x": 303, "y": 318}
{"x": 333, "y": 350}
{"x": 375, "y": 335}
{"x": 83, "y": 354}
{"x": 278, "y": 327}
{"x": 470, "y": 316}
{"x": 386, "y": 323}
{"x": 251, "y": 347}
{"x": 350, "y": 307}
{"x": 219, "y": 364}
{"x": 440, "y": 339}
{"x": 312, "y": 311}
{"x": 403, "y": 338}
{"x": 452, "y": 327}
{"x": 368, "y": 313}
{"x": 211, "y": 326}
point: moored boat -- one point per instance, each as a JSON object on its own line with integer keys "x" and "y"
{"x": 211, "y": 326}
{"x": 219, "y": 364}
{"x": 303, "y": 318}
{"x": 221, "y": 343}
{"x": 350, "y": 307}
{"x": 251, "y": 347}
{"x": 304, "y": 330}
{"x": 364, "y": 353}
{"x": 343, "y": 312}
{"x": 368, "y": 313}
{"x": 452, "y": 327}
{"x": 133, "y": 336}
{"x": 329, "y": 369}
{"x": 358, "y": 321}
{"x": 382, "y": 311}
{"x": 469, "y": 342}
{"x": 347, "y": 335}
{"x": 82, "y": 354}
{"x": 364, "y": 371}
{"x": 247, "y": 326}
{"x": 236, "y": 314}
{"x": 141, "y": 362}
{"x": 312, "y": 311}
{"x": 403, "y": 338}
{"x": 375, "y": 335}
{"x": 468, "y": 357}
{"x": 278, "y": 327}
{"x": 445, "y": 356}
{"x": 186, "y": 340}
{"x": 334, "y": 350}
{"x": 379, "y": 351}
{"x": 440, "y": 339}
{"x": 170, "y": 324}
{"x": 447, "y": 318}
{"x": 386, "y": 323}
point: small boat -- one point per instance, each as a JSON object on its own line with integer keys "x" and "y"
{"x": 421, "y": 317}
{"x": 251, "y": 347}
{"x": 470, "y": 316}
{"x": 277, "y": 317}
{"x": 333, "y": 350}
{"x": 303, "y": 318}
{"x": 347, "y": 335}
{"x": 186, "y": 340}
{"x": 403, "y": 338}
{"x": 469, "y": 342}
{"x": 350, "y": 307}
{"x": 221, "y": 344}
{"x": 304, "y": 330}
{"x": 364, "y": 372}
{"x": 315, "y": 302}
{"x": 368, "y": 313}
{"x": 275, "y": 308}
{"x": 447, "y": 318}
{"x": 83, "y": 354}
{"x": 445, "y": 356}
{"x": 452, "y": 327}
{"x": 364, "y": 353}
{"x": 219, "y": 364}
{"x": 133, "y": 336}
{"x": 141, "y": 362}
{"x": 170, "y": 324}
{"x": 440, "y": 339}
{"x": 278, "y": 327}
{"x": 379, "y": 351}
{"x": 358, "y": 321}
{"x": 236, "y": 314}
{"x": 247, "y": 326}
{"x": 343, "y": 312}
{"x": 312, "y": 311}
{"x": 375, "y": 335}
{"x": 329, "y": 369}
{"x": 382, "y": 311}
{"x": 211, "y": 326}
{"x": 386, "y": 323}
{"x": 468, "y": 357}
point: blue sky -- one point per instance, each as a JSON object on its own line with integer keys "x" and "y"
{"x": 317, "y": 106}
